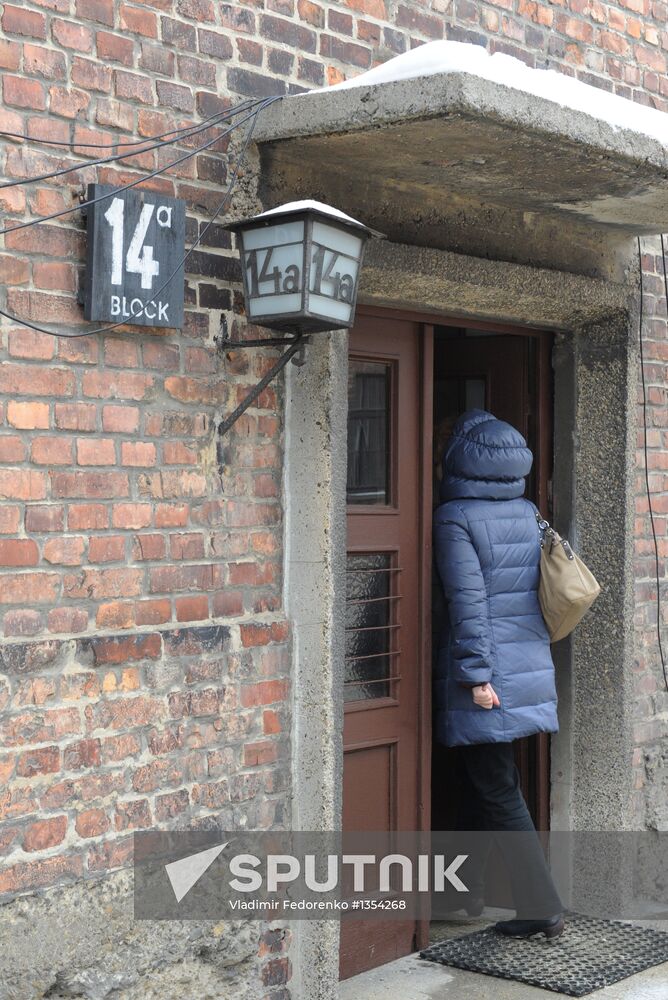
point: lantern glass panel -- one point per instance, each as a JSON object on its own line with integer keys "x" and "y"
{"x": 273, "y": 269}
{"x": 335, "y": 260}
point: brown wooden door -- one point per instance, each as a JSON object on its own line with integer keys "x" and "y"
{"x": 507, "y": 374}
{"x": 383, "y": 662}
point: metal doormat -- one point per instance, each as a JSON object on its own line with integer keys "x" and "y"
{"x": 589, "y": 955}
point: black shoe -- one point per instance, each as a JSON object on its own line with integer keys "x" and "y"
{"x": 551, "y": 928}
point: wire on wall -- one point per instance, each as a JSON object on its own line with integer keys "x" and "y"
{"x": 647, "y": 487}
{"x": 252, "y": 116}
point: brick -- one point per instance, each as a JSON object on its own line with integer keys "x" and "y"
{"x": 249, "y": 84}
{"x": 271, "y": 722}
{"x": 22, "y": 484}
{"x": 425, "y": 24}
{"x": 171, "y": 805}
{"x": 43, "y": 760}
{"x": 51, "y": 451}
{"x": 120, "y": 419}
{"x": 96, "y": 10}
{"x": 227, "y": 603}
{"x": 9, "y": 519}
{"x": 106, "y": 548}
{"x": 120, "y": 747}
{"x": 90, "y": 75}
{"x": 138, "y": 453}
{"x": 124, "y": 713}
{"x": 213, "y": 44}
{"x": 28, "y": 416}
{"x": 91, "y": 823}
{"x": 138, "y": 21}
{"x": 64, "y": 551}
{"x": 18, "y": 21}
{"x": 40, "y": 726}
{"x": 67, "y": 620}
{"x": 131, "y": 86}
{"x": 103, "y": 583}
{"x": 116, "y": 385}
{"x": 42, "y": 518}
{"x": 18, "y": 552}
{"x": 190, "y": 609}
{"x": 153, "y": 612}
{"x": 116, "y": 614}
{"x": 82, "y": 754}
{"x": 96, "y": 451}
{"x": 114, "y": 48}
{"x": 54, "y": 275}
{"x": 75, "y": 416}
{"x": 39, "y": 874}
{"x": 12, "y": 448}
{"x": 71, "y": 35}
{"x": 261, "y": 752}
{"x": 22, "y": 622}
{"x": 34, "y": 381}
{"x": 313, "y": 13}
{"x": 156, "y": 59}
{"x": 88, "y": 485}
{"x": 45, "y": 833}
{"x": 23, "y": 93}
{"x": 263, "y": 693}
{"x": 171, "y": 95}
{"x": 183, "y": 36}
{"x": 131, "y": 515}
{"x": 106, "y": 856}
{"x": 237, "y": 18}
{"x": 87, "y": 516}
{"x": 197, "y": 10}
{"x": 69, "y": 103}
{"x": 346, "y": 52}
{"x": 126, "y": 648}
{"x": 171, "y": 515}
{"x": 196, "y": 71}
{"x": 10, "y": 56}
{"x": 148, "y": 547}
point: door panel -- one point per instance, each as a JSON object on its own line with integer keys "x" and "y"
{"x": 382, "y": 672}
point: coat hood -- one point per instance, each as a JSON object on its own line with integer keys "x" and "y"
{"x": 485, "y": 458}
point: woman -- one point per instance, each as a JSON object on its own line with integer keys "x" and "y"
{"x": 495, "y": 677}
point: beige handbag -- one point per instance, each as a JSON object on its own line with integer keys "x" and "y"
{"x": 567, "y": 588}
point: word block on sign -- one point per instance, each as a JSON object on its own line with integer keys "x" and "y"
{"x": 134, "y": 260}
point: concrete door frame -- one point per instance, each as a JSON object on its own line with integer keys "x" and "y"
{"x": 596, "y": 367}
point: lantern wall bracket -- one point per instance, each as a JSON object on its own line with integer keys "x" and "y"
{"x": 297, "y": 342}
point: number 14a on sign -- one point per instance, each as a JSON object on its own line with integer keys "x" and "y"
{"x": 139, "y": 259}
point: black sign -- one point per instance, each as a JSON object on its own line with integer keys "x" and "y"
{"x": 136, "y": 240}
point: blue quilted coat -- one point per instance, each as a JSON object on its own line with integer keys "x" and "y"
{"x": 487, "y": 548}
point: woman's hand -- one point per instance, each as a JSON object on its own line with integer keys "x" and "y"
{"x": 485, "y": 696}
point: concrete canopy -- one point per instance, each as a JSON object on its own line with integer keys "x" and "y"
{"x": 456, "y": 161}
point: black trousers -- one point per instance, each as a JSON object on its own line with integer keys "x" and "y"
{"x": 491, "y": 799}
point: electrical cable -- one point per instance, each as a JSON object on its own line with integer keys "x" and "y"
{"x": 649, "y": 495}
{"x": 108, "y": 329}
{"x": 122, "y": 187}
{"x": 134, "y": 142}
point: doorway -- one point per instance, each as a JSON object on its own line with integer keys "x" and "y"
{"x": 406, "y": 374}
{"x": 507, "y": 374}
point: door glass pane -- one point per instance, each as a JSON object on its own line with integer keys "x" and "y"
{"x": 474, "y": 394}
{"x": 370, "y": 595}
{"x": 368, "y": 432}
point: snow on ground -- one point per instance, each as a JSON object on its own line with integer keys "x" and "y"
{"x": 461, "y": 57}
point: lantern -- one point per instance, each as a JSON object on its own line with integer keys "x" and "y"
{"x": 301, "y": 265}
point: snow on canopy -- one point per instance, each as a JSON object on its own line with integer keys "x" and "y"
{"x": 300, "y": 206}
{"x": 462, "y": 57}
